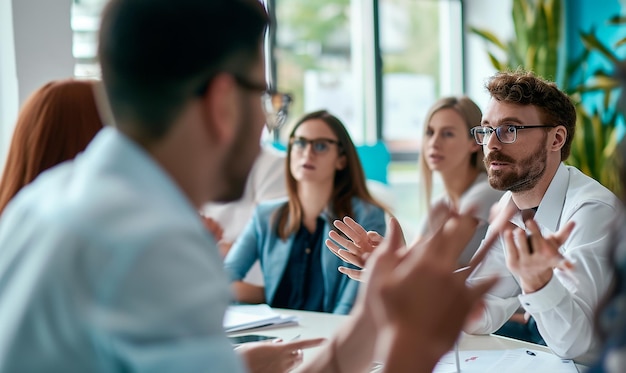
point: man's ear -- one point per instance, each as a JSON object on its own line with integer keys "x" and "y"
{"x": 221, "y": 109}
{"x": 559, "y": 138}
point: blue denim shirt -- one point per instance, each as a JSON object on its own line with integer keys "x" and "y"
{"x": 260, "y": 240}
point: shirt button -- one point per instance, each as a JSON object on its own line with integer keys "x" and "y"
{"x": 527, "y": 304}
{"x": 307, "y": 251}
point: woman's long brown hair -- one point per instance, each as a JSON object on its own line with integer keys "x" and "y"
{"x": 54, "y": 125}
{"x": 349, "y": 182}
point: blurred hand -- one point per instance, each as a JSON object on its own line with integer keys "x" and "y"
{"x": 417, "y": 297}
{"x": 275, "y": 356}
{"x": 218, "y": 234}
{"x": 214, "y": 227}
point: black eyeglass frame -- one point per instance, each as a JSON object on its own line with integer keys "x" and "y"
{"x": 312, "y": 142}
{"x": 498, "y": 131}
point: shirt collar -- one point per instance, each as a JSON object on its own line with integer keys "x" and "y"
{"x": 549, "y": 212}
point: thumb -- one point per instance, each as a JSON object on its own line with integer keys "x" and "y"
{"x": 395, "y": 238}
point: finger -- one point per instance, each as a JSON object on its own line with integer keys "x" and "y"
{"x": 332, "y": 246}
{"x": 352, "y": 230}
{"x": 511, "y": 249}
{"x": 479, "y": 289}
{"x": 463, "y": 272}
{"x": 385, "y": 259}
{"x": 303, "y": 344}
{"x": 563, "y": 234}
{"x": 438, "y": 215}
{"x": 353, "y": 259}
{"x": 346, "y": 243}
{"x": 297, "y": 359}
{"x": 356, "y": 227}
{"x": 521, "y": 243}
{"x": 355, "y": 274}
{"x": 374, "y": 237}
{"x": 497, "y": 226}
{"x": 395, "y": 239}
{"x": 345, "y": 255}
{"x": 457, "y": 233}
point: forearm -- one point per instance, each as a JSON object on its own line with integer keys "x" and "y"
{"x": 350, "y": 350}
{"x": 248, "y": 293}
{"x": 403, "y": 354}
{"x": 565, "y": 320}
{"x": 496, "y": 312}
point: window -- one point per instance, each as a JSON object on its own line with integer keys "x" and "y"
{"x": 85, "y": 24}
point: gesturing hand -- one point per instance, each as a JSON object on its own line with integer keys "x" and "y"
{"x": 417, "y": 299}
{"x": 354, "y": 249}
{"x": 534, "y": 257}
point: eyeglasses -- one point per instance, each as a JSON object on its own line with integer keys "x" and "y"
{"x": 275, "y": 104}
{"x": 506, "y": 133}
{"x": 276, "y": 108}
{"x": 319, "y": 146}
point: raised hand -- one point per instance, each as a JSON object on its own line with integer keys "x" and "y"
{"x": 417, "y": 299}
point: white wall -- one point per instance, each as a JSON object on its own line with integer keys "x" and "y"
{"x": 8, "y": 77}
{"x": 494, "y": 15}
{"x": 35, "y": 47}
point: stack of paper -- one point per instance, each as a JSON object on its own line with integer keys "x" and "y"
{"x": 244, "y": 317}
{"x": 510, "y": 361}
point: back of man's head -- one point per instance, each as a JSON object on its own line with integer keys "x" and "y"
{"x": 524, "y": 88}
{"x": 157, "y": 54}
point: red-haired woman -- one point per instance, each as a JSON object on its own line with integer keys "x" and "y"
{"x": 55, "y": 124}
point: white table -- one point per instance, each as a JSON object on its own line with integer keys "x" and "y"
{"x": 324, "y": 325}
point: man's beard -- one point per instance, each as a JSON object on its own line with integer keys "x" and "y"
{"x": 239, "y": 161}
{"x": 532, "y": 169}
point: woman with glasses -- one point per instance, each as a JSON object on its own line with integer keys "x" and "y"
{"x": 325, "y": 181}
{"x": 449, "y": 149}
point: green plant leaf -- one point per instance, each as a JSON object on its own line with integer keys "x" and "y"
{"x": 620, "y": 42}
{"x": 590, "y": 40}
{"x": 499, "y": 66}
{"x": 520, "y": 23}
{"x": 488, "y": 36}
{"x": 616, "y": 20}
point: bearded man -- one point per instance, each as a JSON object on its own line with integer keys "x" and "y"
{"x": 526, "y": 134}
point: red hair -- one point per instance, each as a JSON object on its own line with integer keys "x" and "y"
{"x": 54, "y": 125}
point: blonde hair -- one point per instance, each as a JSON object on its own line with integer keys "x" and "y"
{"x": 470, "y": 112}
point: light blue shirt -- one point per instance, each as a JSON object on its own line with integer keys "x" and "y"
{"x": 106, "y": 267}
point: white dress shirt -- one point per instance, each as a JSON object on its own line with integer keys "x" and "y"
{"x": 563, "y": 308}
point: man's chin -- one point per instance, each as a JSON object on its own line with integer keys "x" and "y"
{"x": 232, "y": 195}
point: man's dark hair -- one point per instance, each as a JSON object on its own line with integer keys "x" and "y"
{"x": 157, "y": 54}
{"x": 524, "y": 88}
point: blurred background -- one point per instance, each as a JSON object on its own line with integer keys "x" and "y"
{"x": 376, "y": 64}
